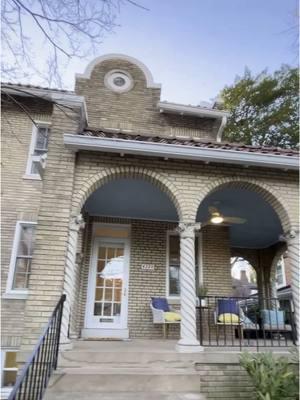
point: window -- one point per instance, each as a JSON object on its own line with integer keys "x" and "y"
{"x": 8, "y": 372}
{"x": 173, "y": 284}
{"x": 280, "y": 273}
{"x": 38, "y": 148}
{"x": 21, "y": 257}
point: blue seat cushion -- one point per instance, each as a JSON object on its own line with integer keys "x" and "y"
{"x": 272, "y": 317}
{"x": 160, "y": 303}
{"x": 228, "y": 306}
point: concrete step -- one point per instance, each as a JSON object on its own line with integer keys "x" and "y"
{"x": 94, "y": 381}
{"x": 124, "y": 396}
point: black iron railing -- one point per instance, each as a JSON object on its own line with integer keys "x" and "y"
{"x": 34, "y": 376}
{"x": 245, "y": 322}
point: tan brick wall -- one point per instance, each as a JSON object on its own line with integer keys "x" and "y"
{"x": 216, "y": 261}
{"x": 20, "y": 201}
{"x": 149, "y": 246}
{"x": 136, "y": 110}
{"x": 226, "y": 381}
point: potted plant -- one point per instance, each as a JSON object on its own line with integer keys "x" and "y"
{"x": 201, "y": 293}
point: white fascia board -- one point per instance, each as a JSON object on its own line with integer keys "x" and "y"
{"x": 190, "y": 110}
{"x": 78, "y": 142}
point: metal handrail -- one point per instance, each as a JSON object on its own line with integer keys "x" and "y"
{"x": 33, "y": 379}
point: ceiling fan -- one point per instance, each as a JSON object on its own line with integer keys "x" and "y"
{"x": 217, "y": 218}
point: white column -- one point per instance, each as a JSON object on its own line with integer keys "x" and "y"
{"x": 188, "y": 329}
{"x": 76, "y": 224}
{"x": 292, "y": 240}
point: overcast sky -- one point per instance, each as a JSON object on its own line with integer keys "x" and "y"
{"x": 195, "y": 47}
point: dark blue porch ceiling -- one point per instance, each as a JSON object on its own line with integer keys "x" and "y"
{"x": 131, "y": 198}
{"x": 262, "y": 228}
{"x": 136, "y": 198}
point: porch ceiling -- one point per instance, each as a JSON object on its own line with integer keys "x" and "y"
{"x": 136, "y": 198}
{"x": 131, "y": 198}
{"x": 262, "y": 228}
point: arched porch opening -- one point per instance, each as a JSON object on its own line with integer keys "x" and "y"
{"x": 244, "y": 220}
{"x": 121, "y": 254}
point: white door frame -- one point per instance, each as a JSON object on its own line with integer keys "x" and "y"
{"x": 107, "y": 329}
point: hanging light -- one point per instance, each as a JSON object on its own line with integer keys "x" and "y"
{"x": 216, "y": 218}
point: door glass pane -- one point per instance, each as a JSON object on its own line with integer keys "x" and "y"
{"x": 110, "y": 253}
{"x": 107, "y": 309}
{"x": 108, "y": 294}
{"x": 117, "y": 296}
{"x": 98, "y": 309}
{"x": 101, "y": 265}
{"x": 117, "y": 309}
{"x": 109, "y": 282}
{"x": 99, "y": 294}
{"x": 101, "y": 253}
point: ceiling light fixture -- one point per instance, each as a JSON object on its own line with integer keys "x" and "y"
{"x": 216, "y": 218}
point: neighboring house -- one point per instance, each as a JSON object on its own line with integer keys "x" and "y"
{"x": 242, "y": 287}
{"x": 283, "y": 279}
{"x": 102, "y": 186}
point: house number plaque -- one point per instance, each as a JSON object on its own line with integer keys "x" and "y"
{"x": 148, "y": 267}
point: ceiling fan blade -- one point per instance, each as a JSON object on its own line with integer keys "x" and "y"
{"x": 235, "y": 220}
{"x": 206, "y": 223}
{"x": 213, "y": 210}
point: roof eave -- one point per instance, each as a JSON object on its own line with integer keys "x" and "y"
{"x": 207, "y": 155}
{"x": 182, "y": 109}
{"x": 61, "y": 98}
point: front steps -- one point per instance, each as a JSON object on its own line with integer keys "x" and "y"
{"x": 124, "y": 371}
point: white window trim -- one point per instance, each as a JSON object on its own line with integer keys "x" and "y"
{"x": 10, "y": 292}
{"x": 5, "y": 391}
{"x": 176, "y": 299}
{"x": 283, "y": 284}
{"x": 31, "y": 158}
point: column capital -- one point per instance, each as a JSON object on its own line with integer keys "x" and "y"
{"x": 77, "y": 223}
{"x": 188, "y": 229}
{"x": 291, "y": 236}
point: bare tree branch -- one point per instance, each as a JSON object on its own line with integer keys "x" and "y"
{"x": 66, "y": 29}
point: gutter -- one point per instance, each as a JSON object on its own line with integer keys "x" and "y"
{"x": 207, "y": 155}
{"x": 195, "y": 111}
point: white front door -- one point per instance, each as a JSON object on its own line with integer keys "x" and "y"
{"x": 108, "y": 286}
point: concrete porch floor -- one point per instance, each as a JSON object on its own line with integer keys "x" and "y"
{"x": 167, "y": 346}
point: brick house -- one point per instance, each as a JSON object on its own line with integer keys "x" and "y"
{"x": 102, "y": 186}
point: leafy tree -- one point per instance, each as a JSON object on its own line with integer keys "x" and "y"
{"x": 264, "y": 108}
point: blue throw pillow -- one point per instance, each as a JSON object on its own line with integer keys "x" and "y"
{"x": 228, "y": 306}
{"x": 272, "y": 317}
{"x": 160, "y": 303}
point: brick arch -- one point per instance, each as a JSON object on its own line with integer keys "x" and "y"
{"x": 107, "y": 175}
{"x": 268, "y": 194}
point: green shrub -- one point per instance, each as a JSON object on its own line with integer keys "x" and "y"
{"x": 274, "y": 378}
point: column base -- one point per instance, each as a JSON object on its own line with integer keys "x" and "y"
{"x": 65, "y": 343}
{"x": 189, "y": 346}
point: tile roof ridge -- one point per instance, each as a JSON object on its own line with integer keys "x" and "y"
{"x": 185, "y": 140}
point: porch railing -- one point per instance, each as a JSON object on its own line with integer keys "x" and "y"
{"x": 245, "y": 322}
{"x": 33, "y": 379}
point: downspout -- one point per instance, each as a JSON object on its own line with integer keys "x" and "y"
{"x": 221, "y": 129}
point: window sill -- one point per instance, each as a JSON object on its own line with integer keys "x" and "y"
{"x": 32, "y": 177}
{"x": 16, "y": 295}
